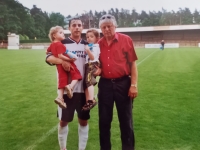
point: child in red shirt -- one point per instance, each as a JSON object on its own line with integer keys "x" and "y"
{"x": 56, "y": 35}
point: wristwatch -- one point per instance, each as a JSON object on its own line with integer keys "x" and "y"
{"x": 134, "y": 85}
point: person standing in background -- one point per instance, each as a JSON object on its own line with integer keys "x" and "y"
{"x": 162, "y": 44}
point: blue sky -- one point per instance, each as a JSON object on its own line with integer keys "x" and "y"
{"x": 81, "y": 6}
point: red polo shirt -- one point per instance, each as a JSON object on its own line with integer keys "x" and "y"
{"x": 116, "y": 58}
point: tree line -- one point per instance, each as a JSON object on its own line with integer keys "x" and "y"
{"x": 35, "y": 23}
{"x": 127, "y": 18}
{"x": 29, "y": 23}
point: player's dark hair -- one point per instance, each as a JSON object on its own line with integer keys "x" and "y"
{"x": 75, "y": 18}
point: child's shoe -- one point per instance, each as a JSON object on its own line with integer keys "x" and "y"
{"x": 89, "y": 105}
{"x": 60, "y": 102}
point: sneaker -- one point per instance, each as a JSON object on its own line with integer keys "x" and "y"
{"x": 60, "y": 102}
{"x": 69, "y": 91}
{"x": 89, "y": 105}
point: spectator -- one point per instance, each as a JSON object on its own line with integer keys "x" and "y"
{"x": 162, "y": 44}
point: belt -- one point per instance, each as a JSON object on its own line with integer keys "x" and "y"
{"x": 116, "y": 79}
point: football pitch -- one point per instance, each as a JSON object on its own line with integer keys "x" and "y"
{"x": 166, "y": 111}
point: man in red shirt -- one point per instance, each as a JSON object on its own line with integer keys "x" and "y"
{"x": 118, "y": 83}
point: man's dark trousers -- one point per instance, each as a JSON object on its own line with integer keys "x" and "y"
{"x": 111, "y": 91}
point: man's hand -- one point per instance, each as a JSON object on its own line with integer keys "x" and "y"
{"x": 67, "y": 66}
{"x": 98, "y": 71}
{"x": 54, "y": 60}
{"x": 133, "y": 92}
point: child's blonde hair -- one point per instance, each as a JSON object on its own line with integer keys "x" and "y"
{"x": 95, "y": 32}
{"x": 52, "y": 31}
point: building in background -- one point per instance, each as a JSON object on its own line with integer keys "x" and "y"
{"x": 184, "y": 35}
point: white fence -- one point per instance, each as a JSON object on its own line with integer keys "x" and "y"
{"x": 199, "y": 44}
{"x": 13, "y": 47}
{"x": 38, "y": 47}
{"x": 168, "y": 45}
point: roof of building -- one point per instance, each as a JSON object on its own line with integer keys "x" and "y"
{"x": 152, "y": 28}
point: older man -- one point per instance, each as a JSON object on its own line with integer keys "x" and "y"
{"x": 118, "y": 83}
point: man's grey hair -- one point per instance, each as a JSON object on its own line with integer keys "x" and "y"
{"x": 107, "y": 19}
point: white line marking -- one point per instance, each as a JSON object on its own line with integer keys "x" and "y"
{"x": 40, "y": 140}
{"x": 145, "y": 58}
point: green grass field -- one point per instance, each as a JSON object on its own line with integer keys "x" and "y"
{"x": 166, "y": 112}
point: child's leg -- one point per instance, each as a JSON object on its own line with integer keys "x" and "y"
{"x": 75, "y": 76}
{"x": 69, "y": 88}
{"x": 60, "y": 93}
{"x": 59, "y": 100}
{"x": 62, "y": 81}
{"x": 73, "y": 83}
{"x": 89, "y": 93}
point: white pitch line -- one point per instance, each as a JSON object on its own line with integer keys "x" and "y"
{"x": 145, "y": 58}
{"x": 40, "y": 140}
{"x": 55, "y": 127}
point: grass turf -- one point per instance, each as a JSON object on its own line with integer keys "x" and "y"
{"x": 166, "y": 112}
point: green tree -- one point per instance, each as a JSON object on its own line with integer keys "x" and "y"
{"x": 187, "y": 16}
{"x": 14, "y": 17}
{"x": 196, "y": 16}
{"x": 56, "y": 19}
{"x": 26, "y": 37}
{"x": 40, "y": 22}
{"x": 134, "y": 16}
{"x": 144, "y": 17}
{"x": 3, "y": 14}
{"x": 21, "y": 37}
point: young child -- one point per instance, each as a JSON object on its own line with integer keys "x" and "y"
{"x": 92, "y": 60}
{"x": 56, "y": 35}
